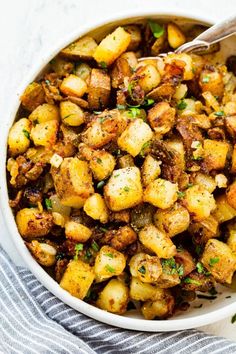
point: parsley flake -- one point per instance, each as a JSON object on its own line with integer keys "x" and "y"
{"x": 219, "y": 113}
{"x": 181, "y": 105}
{"x": 48, "y": 203}
{"x": 180, "y": 194}
{"x": 142, "y": 270}
{"x": 213, "y": 261}
{"x": 26, "y": 133}
{"x": 157, "y": 30}
{"x": 109, "y": 268}
{"x": 205, "y": 79}
{"x": 95, "y": 246}
{"x": 100, "y": 184}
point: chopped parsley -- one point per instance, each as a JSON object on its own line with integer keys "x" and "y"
{"x": 110, "y": 255}
{"x": 233, "y": 319}
{"x": 100, "y": 184}
{"x": 192, "y": 281}
{"x": 134, "y": 112}
{"x": 109, "y": 268}
{"x": 26, "y": 133}
{"x": 78, "y": 247}
{"x": 219, "y": 113}
{"x": 206, "y": 79}
{"x": 180, "y": 194}
{"x": 97, "y": 112}
{"x": 48, "y": 203}
{"x": 99, "y": 161}
{"x": 130, "y": 89}
{"x": 200, "y": 268}
{"x": 120, "y": 106}
{"x": 88, "y": 255}
{"x": 103, "y": 64}
{"x": 47, "y": 82}
{"x": 189, "y": 185}
{"x": 126, "y": 189}
{"x": 198, "y": 249}
{"x": 213, "y": 261}
{"x": 95, "y": 246}
{"x": 144, "y": 147}
{"x": 175, "y": 268}
{"x": 142, "y": 270}
{"x": 157, "y": 30}
{"x": 103, "y": 229}
{"x": 148, "y": 102}
{"x": 181, "y": 105}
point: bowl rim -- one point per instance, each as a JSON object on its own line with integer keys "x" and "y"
{"x": 34, "y": 267}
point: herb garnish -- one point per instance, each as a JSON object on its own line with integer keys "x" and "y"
{"x": 180, "y": 194}
{"x": 103, "y": 64}
{"x": 219, "y": 113}
{"x": 206, "y": 79}
{"x": 95, "y": 246}
{"x": 142, "y": 270}
{"x": 109, "y": 268}
{"x": 48, "y": 203}
{"x": 26, "y": 133}
{"x": 144, "y": 147}
{"x": 100, "y": 184}
{"x": 213, "y": 261}
{"x": 110, "y": 255}
{"x": 182, "y": 105}
{"x": 99, "y": 160}
{"x": 126, "y": 189}
{"x": 78, "y": 247}
{"x": 157, "y": 30}
{"x": 192, "y": 281}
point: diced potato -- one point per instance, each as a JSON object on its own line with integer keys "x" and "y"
{"x": 230, "y": 109}
{"x": 178, "y": 146}
{"x": 150, "y": 170}
{"x": 221, "y": 180}
{"x": 124, "y": 236}
{"x": 180, "y": 92}
{"x": 19, "y": 137}
{"x": 185, "y": 259}
{"x": 230, "y": 123}
{"x": 122, "y": 68}
{"x": 187, "y": 61}
{"x": 172, "y": 221}
{"x": 211, "y": 81}
{"x": 108, "y": 263}
{"x": 33, "y": 96}
{"x": 145, "y": 268}
{"x": 83, "y": 48}
{"x": 219, "y": 260}
{"x": 57, "y": 207}
{"x": 39, "y": 154}
{"x": 124, "y": 189}
{"x": 161, "y": 193}
{"x": 157, "y": 241}
{"x": 45, "y": 134}
{"x": 61, "y": 66}
{"x": 204, "y": 230}
{"x": 71, "y": 114}
{"x": 126, "y": 161}
{"x": 33, "y": 223}
{"x": 44, "y": 253}
{"x": 99, "y": 89}
{"x": 149, "y": 77}
{"x": 211, "y": 101}
{"x": 231, "y": 242}
{"x": 215, "y": 153}
{"x": 112, "y": 46}
{"x": 77, "y": 278}
{"x": 159, "y": 308}
{"x": 205, "y": 181}
{"x": 224, "y": 211}
{"x": 96, "y": 208}
{"x": 169, "y": 277}
{"x": 135, "y": 33}
{"x": 114, "y": 297}
{"x": 73, "y": 182}
{"x": 161, "y": 117}
{"x": 83, "y": 70}
{"x": 199, "y": 202}
{"x": 135, "y": 136}
{"x": 175, "y": 36}
{"x": 231, "y": 195}
{"x": 44, "y": 113}
{"x": 77, "y": 232}
{"x": 144, "y": 291}
{"x": 73, "y": 85}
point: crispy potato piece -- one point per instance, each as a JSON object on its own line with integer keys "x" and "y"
{"x": 33, "y": 96}
{"x": 183, "y": 59}
{"x": 160, "y": 308}
{"x": 145, "y": 268}
{"x": 71, "y": 114}
{"x": 112, "y": 46}
{"x": 33, "y": 223}
{"x": 135, "y": 136}
{"x": 78, "y": 278}
{"x": 83, "y": 48}
{"x": 149, "y": 77}
{"x": 44, "y": 113}
{"x": 135, "y": 33}
{"x": 211, "y": 81}
{"x": 224, "y": 211}
{"x": 45, "y": 134}
{"x": 124, "y": 189}
{"x": 161, "y": 193}
{"x": 19, "y": 137}
{"x": 99, "y": 89}
{"x": 205, "y": 181}
{"x": 231, "y": 125}
{"x": 175, "y": 36}
{"x": 73, "y": 85}
{"x": 77, "y": 232}
{"x": 185, "y": 259}
{"x": 125, "y": 161}
{"x": 157, "y": 241}
{"x": 150, "y": 170}
{"x": 172, "y": 221}
{"x": 219, "y": 260}
{"x": 199, "y": 202}
{"x": 73, "y": 182}
{"x": 108, "y": 263}
{"x": 114, "y": 297}
{"x": 61, "y": 66}
{"x": 231, "y": 195}
{"x": 123, "y": 237}
{"x": 204, "y": 230}
{"x": 44, "y": 253}
{"x": 123, "y": 68}
{"x": 141, "y": 291}
{"x": 96, "y": 208}
{"x": 215, "y": 154}
{"x": 161, "y": 117}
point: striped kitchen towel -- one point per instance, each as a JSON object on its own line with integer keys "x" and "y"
{"x": 32, "y": 320}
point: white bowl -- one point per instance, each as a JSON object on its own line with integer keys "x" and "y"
{"x": 211, "y": 311}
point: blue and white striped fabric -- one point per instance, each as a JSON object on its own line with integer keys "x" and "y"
{"x": 32, "y": 320}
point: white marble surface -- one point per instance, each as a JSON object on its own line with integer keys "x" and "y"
{"x": 30, "y": 28}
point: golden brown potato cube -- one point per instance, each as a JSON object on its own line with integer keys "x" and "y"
{"x": 224, "y": 211}
{"x": 19, "y": 137}
{"x": 219, "y": 259}
{"x": 231, "y": 195}
{"x": 96, "y": 208}
{"x": 33, "y": 223}
{"x": 187, "y": 63}
{"x": 199, "y": 202}
{"x": 144, "y": 291}
{"x": 77, "y": 278}
{"x": 45, "y": 134}
{"x": 83, "y": 70}
{"x": 124, "y": 236}
{"x": 44, "y": 113}
{"x": 33, "y": 96}
{"x": 161, "y": 193}
{"x": 215, "y": 154}
{"x": 211, "y": 81}
{"x": 102, "y": 164}
{"x": 124, "y": 189}
{"x": 44, "y": 253}
{"x": 150, "y": 170}
{"x": 135, "y": 136}
{"x": 175, "y": 36}
{"x": 71, "y": 114}
{"x": 157, "y": 241}
{"x": 161, "y": 117}
{"x": 112, "y": 46}
{"x": 61, "y": 66}
{"x": 149, "y": 77}
{"x": 114, "y": 297}
{"x": 184, "y": 259}
{"x": 230, "y": 123}
{"x": 108, "y": 263}
{"x": 83, "y": 48}
{"x": 99, "y": 89}
{"x": 160, "y": 308}
{"x": 204, "y": 230}
{"x": 126, "y": 161}
{"x": 73, "y": 85}
{"x": 205, "y": 181}
{"x": 122, "y": 68}
{"x": 73, "y": 182}
{"x": 77, "y": 232}
{"x": 146, "y": 268}
{"x": 169, "y": 277}
{"x": 172, "y": 221}
{"x": 178, "y": 146}
{"x": 231, "y": 241}
{"x": 135, "y": 33}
